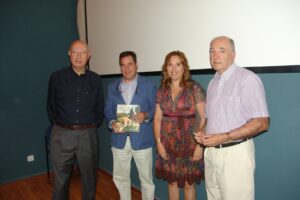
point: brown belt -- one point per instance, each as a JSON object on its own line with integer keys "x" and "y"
{"x": 76, "y": 127}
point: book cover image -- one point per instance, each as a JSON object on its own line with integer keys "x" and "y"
{"x": 125, "y": 115}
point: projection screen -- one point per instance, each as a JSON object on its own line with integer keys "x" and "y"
{"x": 266, "y": 32}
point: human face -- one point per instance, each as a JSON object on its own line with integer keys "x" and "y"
{"x": 221, "y": 54}
{"x": 79, "y": 55}
{"x": 175, "y": 68}
{"x": 128, "y": 68}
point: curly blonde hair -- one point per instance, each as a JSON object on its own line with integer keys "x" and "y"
{"x": 186, "y": 77}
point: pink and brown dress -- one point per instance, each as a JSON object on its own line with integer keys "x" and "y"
{"x": 179, "y": 122}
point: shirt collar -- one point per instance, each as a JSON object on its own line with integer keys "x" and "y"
{"x": 75, "y": 74}
{"x": 227, "y": 73}
{"x": 134, "y": 81}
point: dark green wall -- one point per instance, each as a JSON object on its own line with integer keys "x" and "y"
{"x": 34, "y": 38}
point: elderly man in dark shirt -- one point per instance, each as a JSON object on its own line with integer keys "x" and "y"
{"x": 75, "y": 107}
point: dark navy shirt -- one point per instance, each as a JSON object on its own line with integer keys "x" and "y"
{"x": 75, "y": 99}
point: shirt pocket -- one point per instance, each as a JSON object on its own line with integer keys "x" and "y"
{"x": 232, "y": 106}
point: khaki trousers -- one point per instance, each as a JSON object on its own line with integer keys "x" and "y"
{"x": 122, "y": 166}
{"x": 229, "y": 172}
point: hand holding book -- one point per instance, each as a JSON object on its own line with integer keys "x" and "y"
{"x": 140, "y": 117}
{"x": 117, "y": 127}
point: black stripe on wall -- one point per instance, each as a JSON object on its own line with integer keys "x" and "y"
{"x": 258, "y": 70}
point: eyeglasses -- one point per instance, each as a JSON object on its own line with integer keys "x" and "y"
{"x": 78, "y": 52}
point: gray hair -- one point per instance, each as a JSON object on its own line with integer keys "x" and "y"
{"x": 229, "y": 40}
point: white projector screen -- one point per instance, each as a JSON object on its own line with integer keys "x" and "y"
{"x": 266, "y": 32}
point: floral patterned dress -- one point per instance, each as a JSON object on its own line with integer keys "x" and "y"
{"x": 178, "y": 124}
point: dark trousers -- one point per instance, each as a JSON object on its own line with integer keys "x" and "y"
{"x": 68, "y": 147}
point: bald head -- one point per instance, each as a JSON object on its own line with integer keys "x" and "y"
{"x": 222, "y": 53}
{"x": 79, "y": 42}
{"x": 79, "y": 55}
{"x": 225, "y": 38}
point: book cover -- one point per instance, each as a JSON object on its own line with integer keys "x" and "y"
{"x": 125, "y": 115}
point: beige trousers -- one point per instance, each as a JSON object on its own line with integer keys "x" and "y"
{"x": 122, "y": 166}
{"x": 229, "y": 172}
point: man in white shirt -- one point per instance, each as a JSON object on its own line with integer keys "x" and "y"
{"x": 236, "y": 111}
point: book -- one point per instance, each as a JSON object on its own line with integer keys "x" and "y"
{"x": 125, "y": 115}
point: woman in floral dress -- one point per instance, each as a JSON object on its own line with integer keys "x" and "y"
{"x": 180, "y": 108}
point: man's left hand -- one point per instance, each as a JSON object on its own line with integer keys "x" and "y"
{"x": 212, "y": 140}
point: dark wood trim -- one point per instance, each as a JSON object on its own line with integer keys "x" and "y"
{"x": 276, "y": 69}
{"x": 85, "y": 23}
{"x": 86, "y": 30}
{"x": 259, "y": 70}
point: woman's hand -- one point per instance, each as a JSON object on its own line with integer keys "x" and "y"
{"x": 198, "y": 153}
{"x": 162, "y": 151}
{"x": 199, "y": 136}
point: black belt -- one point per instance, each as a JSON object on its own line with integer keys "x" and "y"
{"x": 76, "y": 127}
{"x": 229, "y": 144}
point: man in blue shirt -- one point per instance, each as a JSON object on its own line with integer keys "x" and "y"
{"x": 136, "y": 90}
